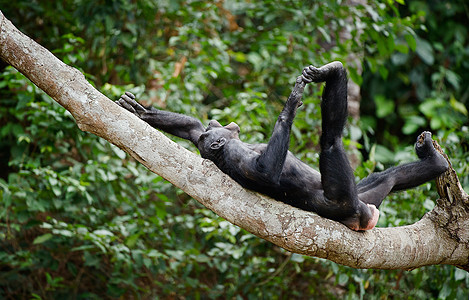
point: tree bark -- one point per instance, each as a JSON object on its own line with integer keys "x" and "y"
{"x": 440, "y": 237}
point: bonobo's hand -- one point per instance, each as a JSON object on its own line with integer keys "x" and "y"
{"x": 128, "y": 102}
{"x": 424, "y": 145}
{"x": 425, "y": 150}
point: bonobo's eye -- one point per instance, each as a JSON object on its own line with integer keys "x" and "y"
{"x": 203, "y": 136}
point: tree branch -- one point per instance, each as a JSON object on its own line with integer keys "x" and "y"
{"x": 423, "y": 243}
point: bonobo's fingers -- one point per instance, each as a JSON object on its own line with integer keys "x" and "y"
{"x": 130, "y": 95}
{"x": 424, "y": 146}
{"x": 123, "y": 103}
{"x": 300, "y": 84}
{"x": 128, "y": 102}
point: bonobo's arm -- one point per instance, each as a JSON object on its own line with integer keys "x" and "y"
{"x": 270, "y": 163}
{"x": 176, "y": 124}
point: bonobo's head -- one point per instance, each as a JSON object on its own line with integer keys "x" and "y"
{"x": 215, "y": 138}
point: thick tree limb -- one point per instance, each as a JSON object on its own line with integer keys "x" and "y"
{"x": 441, "y": 237}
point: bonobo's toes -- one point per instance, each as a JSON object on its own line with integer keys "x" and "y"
{"x": 311, "y": 74}
{"x": 306, "y": 78}
{"x": 424, "y": 145}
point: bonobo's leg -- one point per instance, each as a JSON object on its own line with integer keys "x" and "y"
{"x": 179, "y": 125}
{"x": 271, "y": 162}
{"x": 338, "y": 181}
{"x": 374, "y": 188}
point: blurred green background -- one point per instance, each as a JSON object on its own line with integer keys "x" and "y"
{"x": 79, "y": 219}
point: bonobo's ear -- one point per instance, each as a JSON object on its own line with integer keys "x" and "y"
{"x": 218, "y": 144}
{"x": 233, "y": 127}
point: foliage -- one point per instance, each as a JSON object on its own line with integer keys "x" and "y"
{"x": 80, "y": 220}
{"x": 424, "y": 88}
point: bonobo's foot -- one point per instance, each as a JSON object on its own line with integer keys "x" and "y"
{"x": 128, "y": 102}
{"x": 313, "y": 74}
{"x": 425, "y": 150}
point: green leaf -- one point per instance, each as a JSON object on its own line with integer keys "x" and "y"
{"x": 436, "y": 123}
{"x": 357, "y": 78}
{"x": 445, "y": 291}
{"x": 383, "y": 154}
{"x": 383, "y": 71}
{"x": 343, "y": 279}
{"x": 412, "y": 124}
{"x": 430, "y": 107}
{"x": 425, "y": 51}
{"x": 132, "y": 240}
{"x": 297, "y": 258}
{"x": 410, "y": 39}
{"x": 239, "y": 56}
{"x": 428, "y": 204}
{"x": 458, "y": 106}
{"x": 384, "y": 107}
{"x": 103, "y": 232}
{"x": 402, "y": 48}
{"x": 324, "y": 33}
{"x": 42, "y": 238}
{"x": 453, "y": 78}
{"x": 460, "y": 274}
{"x": 83, "y": 247}
{"x": 382, "y": 46}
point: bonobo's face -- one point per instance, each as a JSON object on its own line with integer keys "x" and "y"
{"x": 216, "y": 136}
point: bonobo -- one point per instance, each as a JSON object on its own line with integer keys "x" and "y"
{"x": 274, "y": 171}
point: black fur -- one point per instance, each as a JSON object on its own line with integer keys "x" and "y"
{"x": 272, "y": 170}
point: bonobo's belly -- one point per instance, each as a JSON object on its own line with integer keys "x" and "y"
{"x": 299, "y": 185}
